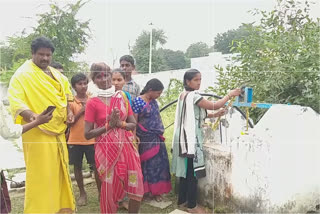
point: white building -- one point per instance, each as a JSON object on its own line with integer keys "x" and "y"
{"x": 204, "y": 64}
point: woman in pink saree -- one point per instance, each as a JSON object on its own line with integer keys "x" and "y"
{"x": 109, "y": 119}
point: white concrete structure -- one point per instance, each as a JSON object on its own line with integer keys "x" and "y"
{"x": 275, "y": 168}
{"x": 204, "y": 64}
{"x": 279, "y": 159}
{"x": 11, "y": 155}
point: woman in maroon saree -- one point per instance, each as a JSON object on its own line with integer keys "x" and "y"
{"x": 109, "y": 119}
{"x": 152, "y": 149}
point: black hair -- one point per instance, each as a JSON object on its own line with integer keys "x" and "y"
{"x": 154, "y": 85}
{"x": 119, "y": 70}
{"x": 77, "y": 78}
{"x": 96, "y": 68}
{"x": 127, "y": 58}
{"x": 56, "y": 65}
{"x": 41, "y": 42}
{"x": 189, "y": 75}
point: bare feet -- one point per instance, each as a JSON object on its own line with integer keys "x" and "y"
{"x": 183, "y": 206}
{"x": 82, "y": 201}
{"x": 125, "y": 204}
{"x": 147, "y": 197}
{"x": 197, "y": 209}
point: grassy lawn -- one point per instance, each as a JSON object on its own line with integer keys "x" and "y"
{"x": 17, "y": 200}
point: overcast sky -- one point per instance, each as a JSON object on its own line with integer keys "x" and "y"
{"x": 117, "y": 24}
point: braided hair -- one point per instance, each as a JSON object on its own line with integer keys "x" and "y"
{"x": 153, "y": 85}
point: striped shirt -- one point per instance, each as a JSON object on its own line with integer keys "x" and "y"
{"x": 133, "y": 88}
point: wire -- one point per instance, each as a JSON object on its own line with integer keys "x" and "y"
{"x": 207, "y": 95}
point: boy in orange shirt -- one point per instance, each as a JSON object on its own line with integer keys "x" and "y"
{"x": 77, "y": 143}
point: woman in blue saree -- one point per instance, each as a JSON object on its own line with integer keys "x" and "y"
{"x": 152, "y": 149}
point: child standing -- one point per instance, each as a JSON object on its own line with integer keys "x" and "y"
{"x": 118, "y": 80}
{"x": 77, "y": 144}
{"x": 127, "y": 65}
{"x": 152, "y": 149}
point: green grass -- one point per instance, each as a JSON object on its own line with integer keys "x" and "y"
{"x": 168, "y": 117}
{"x": 17, "y": 200}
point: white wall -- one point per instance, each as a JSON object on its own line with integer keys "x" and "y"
{"x": 204, "y": 64}
{"x": 3, "y": 90}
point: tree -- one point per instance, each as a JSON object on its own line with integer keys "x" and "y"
{"x": 225, "y": 41}
{"x": 198, "y": 49}
{"x": 69, "y": 35}
{"x": 17, "y": 51}
{"x": 173, "y": 60}
{"x": 140, "y": 50}
{"x": 279, "y": 58}
{"x": 6, "y": 55}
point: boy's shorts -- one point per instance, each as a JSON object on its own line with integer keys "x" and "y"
{"x": 76, "y": 153}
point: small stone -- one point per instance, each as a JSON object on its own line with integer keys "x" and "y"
{"x": 161, "y": 204}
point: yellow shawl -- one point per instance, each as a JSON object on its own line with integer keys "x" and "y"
{"x": 31, "y": 89}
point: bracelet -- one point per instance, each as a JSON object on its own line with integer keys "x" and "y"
{"x": 123, "y": 125}
{"x": 229, "y": 97}
{"x": 106, "y": 126}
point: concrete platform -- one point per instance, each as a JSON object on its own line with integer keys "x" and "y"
{"x": 162, "y": 204}
{"x": 177, "y": 211}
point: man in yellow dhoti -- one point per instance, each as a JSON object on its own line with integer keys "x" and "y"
{"x": 34, "y": 87}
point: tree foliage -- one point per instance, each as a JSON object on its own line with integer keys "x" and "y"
{"x": 225, "y": 41}
{"x": 141, "y": 48}
{"x": 69, "y": 35}
{"x": 173, "y": 60}
{"x": 279, "y": 58}
{"x": 162, "y": 59}
{"x": 16, "y": 52}
{"x": 172, "y": 93}
{"x": 198, "y": 49}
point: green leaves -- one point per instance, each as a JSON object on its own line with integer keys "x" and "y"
{"x": 172, "y": 93}
{"x": 162, "y": 59}
{"x": 140, "y": 50}
{"x": 225, "y": 42}
{"x": 198, "y": 49}
{"x": 279, "y": 58}
{"x": 69, "y": 35}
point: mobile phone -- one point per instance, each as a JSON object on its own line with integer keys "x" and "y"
{"x": 50, "y": 109}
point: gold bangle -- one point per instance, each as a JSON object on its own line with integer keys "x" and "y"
{"x": 229, "y": 97}
{"x": 124, "y": 124}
